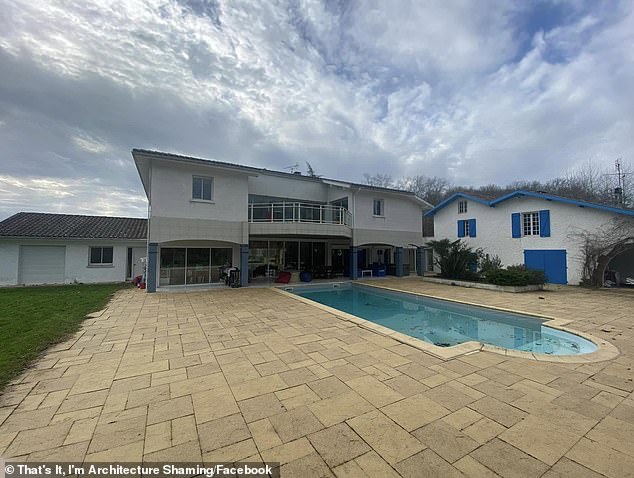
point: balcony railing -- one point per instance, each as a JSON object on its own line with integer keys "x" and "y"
{"x": 299, "y": 212}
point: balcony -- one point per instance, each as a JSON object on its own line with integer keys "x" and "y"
{"x": 299, "y": 218}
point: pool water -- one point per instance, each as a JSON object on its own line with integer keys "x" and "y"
{"x": 445, "y": 323}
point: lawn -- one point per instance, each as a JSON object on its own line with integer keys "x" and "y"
{"x": 34, "y": 318}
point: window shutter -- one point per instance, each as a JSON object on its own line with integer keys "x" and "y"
{"x": 516, "y": 224}
{"x": 544, "y": 223}
{"x": 472, "y": 228}
{"x": 460, "y": 228}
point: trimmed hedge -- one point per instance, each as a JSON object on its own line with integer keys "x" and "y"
{"x": 515, "y": 277}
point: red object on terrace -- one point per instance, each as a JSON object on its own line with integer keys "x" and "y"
{"x": 283, "y": 277}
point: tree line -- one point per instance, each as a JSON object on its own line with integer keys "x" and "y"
{"x": 586, "y": 183}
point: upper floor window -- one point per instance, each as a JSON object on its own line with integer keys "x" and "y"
{"x": 462, "y": 207}
{"x": 101, "y": 256}
{"x": 377, "y": 208}
{"x": 530, "y": 223}
{"x": 203, "y": 188}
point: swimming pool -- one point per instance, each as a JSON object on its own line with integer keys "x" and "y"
{"x": 444, "y": 323}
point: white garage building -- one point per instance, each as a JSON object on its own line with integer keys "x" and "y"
{"x": 40, "y": 248}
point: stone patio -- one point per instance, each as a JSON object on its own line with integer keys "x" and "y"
{"x": 250, "y": 375}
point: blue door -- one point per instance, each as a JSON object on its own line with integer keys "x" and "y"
{"x": 551, "y": 261}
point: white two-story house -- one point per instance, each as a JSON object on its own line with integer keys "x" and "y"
{"x": 539, "y": 230}
{"x": 207, "y": 215}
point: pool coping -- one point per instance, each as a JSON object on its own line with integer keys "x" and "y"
{"x": 605, "y": 350}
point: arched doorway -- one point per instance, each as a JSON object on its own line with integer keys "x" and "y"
{"x": 620, "y": 270}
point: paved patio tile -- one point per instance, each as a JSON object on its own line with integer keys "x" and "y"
{"x": 508, "y": 461}
{"x": 540, "y": 438}
{"x": 388, "y": 439}
{"x": 338, "y": 444}
{"x": 295, "y": 423}
{"x": 259, "y": 407}
{"x": 222, "y": 432}
{"x": 288, "y": 452}
{"x": 415, "y": 411}
{"x": 329, "y": 387}
{"x": 264, "y": 434}
{"x": 374, "y": 391}
{"x": 498, "y": 411}
{"x": 169, "y": 409}
{"x": 427, "y": 464}
{"x": 566, "y": 468}
{"x": 251, "y": 374}
{"x": 447, "y": 441}
{"x": 339, "y": 408}
{"x": 309, "y": 466}
{"x": 602, "y": 459}
{"x": 405, "y": 385}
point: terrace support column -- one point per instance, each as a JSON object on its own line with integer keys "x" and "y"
{"x": 354, "y": 262}
{"x": 244, "y": 265}
{"x": 150, "y": 272}
{"x": 420, "y": 261}
{"x": 398, "y": 259}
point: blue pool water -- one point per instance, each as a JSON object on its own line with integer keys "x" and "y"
{"x": 445, "y": 323}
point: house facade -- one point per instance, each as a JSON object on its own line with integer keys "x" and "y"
{"x": 536, "y": 229}
{"x": 207, "y": 216}
{"x": 40, "y": 248}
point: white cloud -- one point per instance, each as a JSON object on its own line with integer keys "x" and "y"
{"x": 453, "y": 89}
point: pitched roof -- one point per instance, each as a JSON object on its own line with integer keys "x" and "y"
{"x": 71, "y": 226}
{"x": 137, "y": 153}
{"x": 533, "y": 194}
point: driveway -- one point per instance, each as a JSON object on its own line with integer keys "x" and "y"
{"x": 251, "y": 375}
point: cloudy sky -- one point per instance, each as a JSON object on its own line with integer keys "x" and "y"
{"x": 475, "y": 91}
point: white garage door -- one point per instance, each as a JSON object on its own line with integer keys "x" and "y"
{"x": 42, "y": 264}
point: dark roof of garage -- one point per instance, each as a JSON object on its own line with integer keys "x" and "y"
{"x": 72, "y": 226}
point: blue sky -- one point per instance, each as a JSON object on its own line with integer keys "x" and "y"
{"x": 478, "y": 92}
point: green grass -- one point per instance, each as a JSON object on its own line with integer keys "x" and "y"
{"x": 34, "y": 318}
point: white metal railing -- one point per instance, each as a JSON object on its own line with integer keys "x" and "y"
{"x": 299, "y": 212}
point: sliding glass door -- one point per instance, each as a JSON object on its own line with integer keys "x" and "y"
{"x": 193, "y": 265}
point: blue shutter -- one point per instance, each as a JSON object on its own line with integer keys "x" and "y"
{"x": 460, "y": 228}
{"x": 472, "y": 228}
{"x": 516, "y": 225}
{"x": 544, "y": 223}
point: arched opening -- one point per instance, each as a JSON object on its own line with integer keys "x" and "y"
{"x": 619, "y": 271}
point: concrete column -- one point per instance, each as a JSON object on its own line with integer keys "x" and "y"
{"x": 150, "y": 271}
{"x": 244, "y": 265}
{"x": 354, "y": 260}
{"x": 398, "y": 260}
{"x": 421, "y": 261}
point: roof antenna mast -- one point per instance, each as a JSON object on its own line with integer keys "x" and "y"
{"x": 292, "y": 168}
{"x": 619, "y": 190}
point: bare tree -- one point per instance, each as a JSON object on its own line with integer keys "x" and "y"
{"x": 585, "y": 183}
{"x": 598, "y": 248}
{"x": 431, "y": 189}
{"x": 379, "y": 180}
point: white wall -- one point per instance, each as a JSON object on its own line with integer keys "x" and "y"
{"x": 9, "y": 252}
{"x": 288, "y": 187}
{"x": 171, "y": 192}
{"x": 400, "y": 213}
{"x": 494, "y": 235}
{"x": 77, "y": 268}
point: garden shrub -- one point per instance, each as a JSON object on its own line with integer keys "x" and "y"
{"x": 455, "y": 259}
{"x": 515, "y": 276}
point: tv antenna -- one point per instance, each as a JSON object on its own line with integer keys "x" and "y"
{"x": 292, "y": 168}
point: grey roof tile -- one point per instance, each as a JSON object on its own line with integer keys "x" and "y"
{"x": 71, "y": 226}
